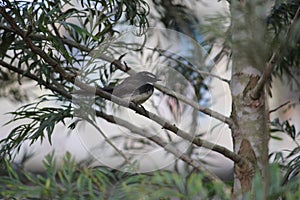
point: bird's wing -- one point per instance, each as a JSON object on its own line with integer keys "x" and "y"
{"x": 127, "y": 87}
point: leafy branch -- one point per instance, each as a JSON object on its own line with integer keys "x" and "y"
{"x": 267, "y": 73}
{"x": 81, "y": 182}
{"x": 41, "y": 121}
{"x": 99, "y": 92}
{"x": 158, "y": 119}
{"x": 139, "y": 110}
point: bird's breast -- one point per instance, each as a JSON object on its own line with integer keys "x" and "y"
{"x": 141, "y": 94}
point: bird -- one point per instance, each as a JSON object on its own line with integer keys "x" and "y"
{"x": 136, "y": 88}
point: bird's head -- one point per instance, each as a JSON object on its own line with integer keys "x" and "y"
{"x": 145, "y": 76}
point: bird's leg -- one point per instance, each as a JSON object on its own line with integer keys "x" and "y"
{"x": 140, "y": 105}
{"x": 143, "y": 108}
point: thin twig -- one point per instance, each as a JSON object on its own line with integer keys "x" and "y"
{"x": 108, "y": 140}
{"x": 200, "y": 72}
{"x": 277, "y": 108}
{"x": 195, "y": 105}
{"x": 256, "y": 92}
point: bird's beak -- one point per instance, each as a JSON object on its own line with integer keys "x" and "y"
{"x": 157, "y": 78}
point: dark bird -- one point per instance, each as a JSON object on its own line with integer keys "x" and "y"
{"x": 136, "y": 88}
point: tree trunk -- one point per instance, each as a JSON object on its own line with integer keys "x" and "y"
{"x": 250, "y": 132}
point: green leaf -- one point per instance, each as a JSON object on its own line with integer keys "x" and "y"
{"x": 6, "y": 41}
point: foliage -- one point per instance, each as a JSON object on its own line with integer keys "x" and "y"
{"x": 61, "y": 34}
{"x": 291, "y": 162}
{"x": 77, "y": 181}
{"x": 73, "y": 181}
{"x": 284, "y": 22}
{"x": 277, "y": 189}
{"x": 167, "y": 185}
{"x": 51, "y": 42}
{"x": 285, "y": 127}
{"x": 39, "y": 121}
{"x": 65, "y": 32}
{"x": 69, "y": 182}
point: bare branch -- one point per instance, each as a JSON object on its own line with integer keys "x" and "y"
{"x": 182, "y": 98}
{"x": 157, "y": 140}
{"x": 200, "y": 72}
{"x": 108, "y": 140}
{"x": 256, "y": 92}
{"x": 195, "y": 105}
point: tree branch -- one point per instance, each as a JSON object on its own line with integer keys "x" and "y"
{"x": 38, "y": 80}
{"x": 182, "y": 98}
{"x": 195, "y": 105}
{"x": 200, "y": 72}
{"x": 163, "y": 89}
{"x": 101, "y": 93}
{"x": 256, "y": 91}
{"x": 197, "y": 141}
{"x": 277, "y": 108}
{"x": 157, "y": 140}
{"x": 108, "y": 140}
{"x": 35, "y": 49}
{"x": 121, "y": 122}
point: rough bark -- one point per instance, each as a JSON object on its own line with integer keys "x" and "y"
{"x": 250, "y": 134}
{"x": 250, "y": 115}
